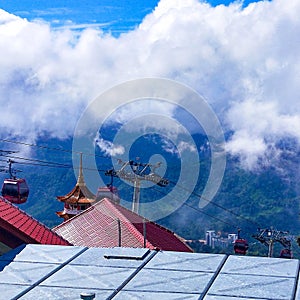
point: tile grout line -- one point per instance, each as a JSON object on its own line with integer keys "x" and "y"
{"x": 49, "y": 274}
{"x": 210, "y": 283}
{"x": 126, "y": 281}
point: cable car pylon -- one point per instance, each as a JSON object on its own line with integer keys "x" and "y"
{"x": 136, "y": 172}
{"x": 269, "y": 237}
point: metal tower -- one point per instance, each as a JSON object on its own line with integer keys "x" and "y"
{"x": 270, "y": 236}
{"x": 135, "y": 172}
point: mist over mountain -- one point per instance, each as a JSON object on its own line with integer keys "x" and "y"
{"x": 265, "y": 197}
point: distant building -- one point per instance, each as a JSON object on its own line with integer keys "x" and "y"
{"x": 210, "y": 234}
{"x": 219, "y": 242}
{"x": 232, "y": 237}
{"x": 216, "y": 240}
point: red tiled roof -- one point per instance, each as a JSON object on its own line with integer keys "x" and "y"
{"x": 22, "y": 228}
{"x": 98, "y": 226}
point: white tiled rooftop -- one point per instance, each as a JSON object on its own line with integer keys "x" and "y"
{"x": 64, "y": 272}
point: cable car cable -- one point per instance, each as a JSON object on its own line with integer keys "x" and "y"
{"x": 45, "y": 163}
{"x": 199, "y": 210}
{"x": 216, "y": 204}
{"x": 50, "y": 148}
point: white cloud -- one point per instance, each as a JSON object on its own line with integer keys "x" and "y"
{"x": 248, "y": 148}
{"x": 245, "y": 62}
{"x": 184, "y": 146}
{"x": 179, "y": 148}
{"x": 109, "y": 148}
{"x": 256, "y": 127}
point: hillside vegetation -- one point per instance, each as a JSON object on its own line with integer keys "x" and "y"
{"x": 265, "y": 197}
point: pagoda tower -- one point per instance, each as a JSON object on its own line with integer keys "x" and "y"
{"x": 78, "y": 199}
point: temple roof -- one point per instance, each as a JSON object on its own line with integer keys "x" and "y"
{"x": 80, "y": 193}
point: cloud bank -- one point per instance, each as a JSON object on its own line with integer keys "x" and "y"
{"x": 244, "y": 61}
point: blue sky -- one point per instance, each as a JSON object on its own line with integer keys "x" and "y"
{"x": 110, "y": 15}
{"x": 244, "y": 60}
{"x": 113, "y": 15}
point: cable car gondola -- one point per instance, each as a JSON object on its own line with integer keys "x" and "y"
{"x": 286, "y": 253}
{"x": 240, "y": 246}
{"x": 14, "y": 189}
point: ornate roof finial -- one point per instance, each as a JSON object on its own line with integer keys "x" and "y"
{"x": 80, "y": 180}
